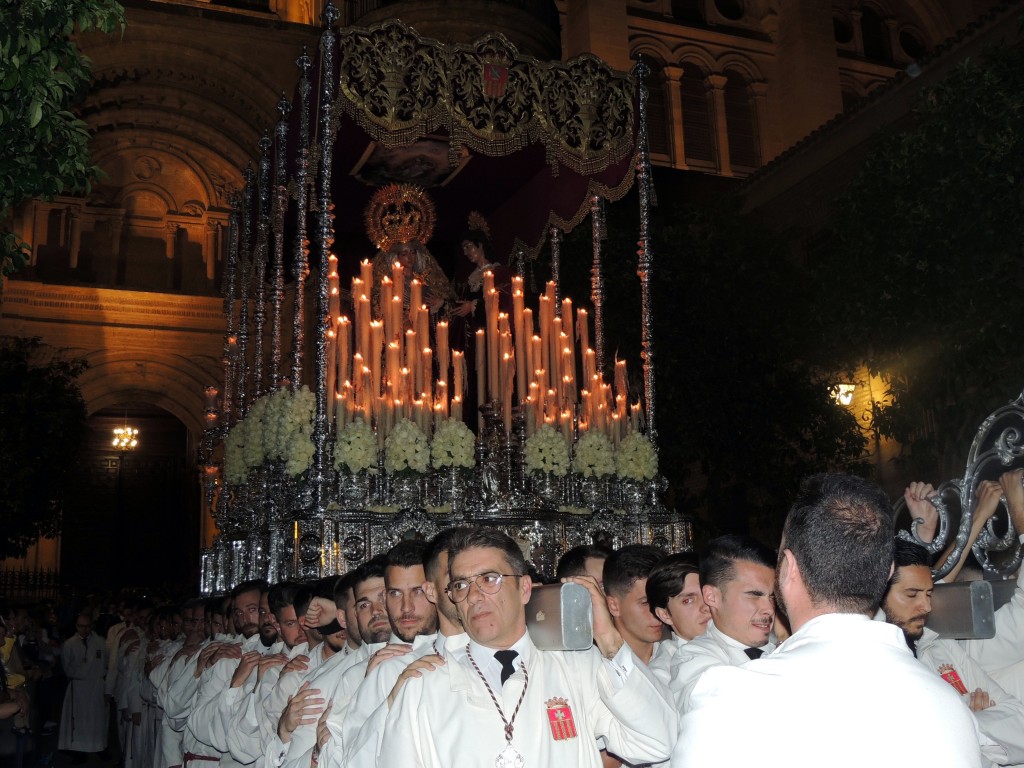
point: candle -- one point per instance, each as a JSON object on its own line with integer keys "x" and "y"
{"x": 426, "y": 373}
{"x": 344, "y": 348}
{"x": 481, "y": 377}
{"x": 366, "y": 272}
{"x": 403, "y": 388}
{"x": 583, "y": 325}
{"x": 459, "y": 369}
{"x": 386, "y": 296}
{"x": 376, "y": 352}
{"x": 398, "y": 277}
{"x": 395, "y": 310}
{"x": 363, "y": 325}
{"x": 457, "y": 407}
{"x": 415, "y": 299}
{"x": 411, "y": 348}
{"x": 506, "y": 399}
{"x": 394, "y": 364}
{"x": 441, "y": 396}
{"x": 339, "y": 410}
{"x": 441, "y": 334}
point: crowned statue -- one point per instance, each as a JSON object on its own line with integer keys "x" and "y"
{"x": 400, "y": 221}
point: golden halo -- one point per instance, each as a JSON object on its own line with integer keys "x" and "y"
{"x": 399, "y": 213}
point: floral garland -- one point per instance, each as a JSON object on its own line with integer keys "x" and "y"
{"x": 406, "y": 448}
{"x": 546, "y": 451}
{"x": 595, "y": 456}
{"x": 452, "y": 445}
{"x": 636, "y": 458}
{"x": 356, "y": 448}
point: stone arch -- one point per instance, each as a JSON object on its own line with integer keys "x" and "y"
{"x": 651, "y": 46}
{"x": 741, "y": 65}
{"x": 698, "y": 56}
{"x": 172, "y": 382}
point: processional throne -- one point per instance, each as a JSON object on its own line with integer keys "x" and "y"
{"x": 536, "y": 147}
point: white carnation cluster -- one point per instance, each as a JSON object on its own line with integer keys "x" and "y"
{"x": 406, "y": 448}
{"x": 295, "y": 432}
{"x": 546, "y": 451}
{"x": 595, "y": 456}
{"x": 636, "y": 458}
{"x": 254, "y": 448}
{"x": 235, "y": 470}
{"x": 356, "y": 447}
{"x": 452, "y": 445}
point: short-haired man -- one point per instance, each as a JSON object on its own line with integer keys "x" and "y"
{"x": 584, "y": 560}
{"x": 251, "y": 684}
{"x": 297, "y": 737}
{"x": 737, "y": 580}
{"x": 825, "y": 695}
{"x": 907, "y": 604}
{"x": 501, "y": 701}
{"x": 362, "y": 728}
{"x": 83, "y": 721}
{"x": 675, "y": 598}
{"x": 625, "y": 584}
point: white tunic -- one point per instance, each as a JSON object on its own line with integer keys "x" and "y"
{"x": 1002, "y": 656}
{"x": 843, "y": 691}
{"x": 661, "y": 660}
{"x": 83, "y": 720}
{"x": 712, "y": 649}
{"x": 325, "y": 679}
{"x": 446, "y": 717}
{"x": 1002, "y": 723}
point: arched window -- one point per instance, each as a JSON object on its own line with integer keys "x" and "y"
{"x": 740, "y": 118}
{"x": 875, "y": 37}
{"x": 658, "y": 134}
{"x": 698, "y": 133}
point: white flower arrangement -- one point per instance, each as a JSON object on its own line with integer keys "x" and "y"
{"x": 406, "y": 448}
{"x": 546, "y": 451}
{"x": 452, "y": 445}
{"x": 276, "y": 412}
{"x": 295, "y": 432}
{"x": 595, "y": 456}
{"x": 356, "y": 448}
{"x": 636, "y": 458}
{"x": 235, "y": 470}
{"x": 254, "y": 449}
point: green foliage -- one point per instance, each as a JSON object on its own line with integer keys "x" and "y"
{"x": 44, "y": 148}
{"x": 42, "y": 428}
{"x": 925, "y": 280}
{"x": 741, "y": 419}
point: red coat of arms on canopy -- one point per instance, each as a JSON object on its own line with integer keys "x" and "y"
{"x": 495, "y": 79}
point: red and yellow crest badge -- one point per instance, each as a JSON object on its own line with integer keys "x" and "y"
{"x": 950, "y": 675}
{"x": 495, "y": 79}
{"x": 560, "y": 719}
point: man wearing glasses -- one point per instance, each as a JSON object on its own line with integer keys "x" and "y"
{"x": 500, "y": 702}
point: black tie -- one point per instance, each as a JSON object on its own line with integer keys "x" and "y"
{"x": 753, "y": 653}
{"x": 508, "y": 663}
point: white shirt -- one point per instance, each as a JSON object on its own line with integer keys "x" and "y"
{"x": 447, "y": 718}
{"x": 1002, "y": 723}
{"x": 843, "y": 691}
{"x": 1002, "y": 656}
{"x": 712, "y": 649}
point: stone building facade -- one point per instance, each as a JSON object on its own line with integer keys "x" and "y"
{"x": 128, "y": 277}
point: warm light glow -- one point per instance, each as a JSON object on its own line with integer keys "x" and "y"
{"x": 126, "y": 438}
{"x": 843, "y": 393}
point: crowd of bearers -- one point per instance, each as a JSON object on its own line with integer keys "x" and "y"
{"x": 422, "y": 657}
